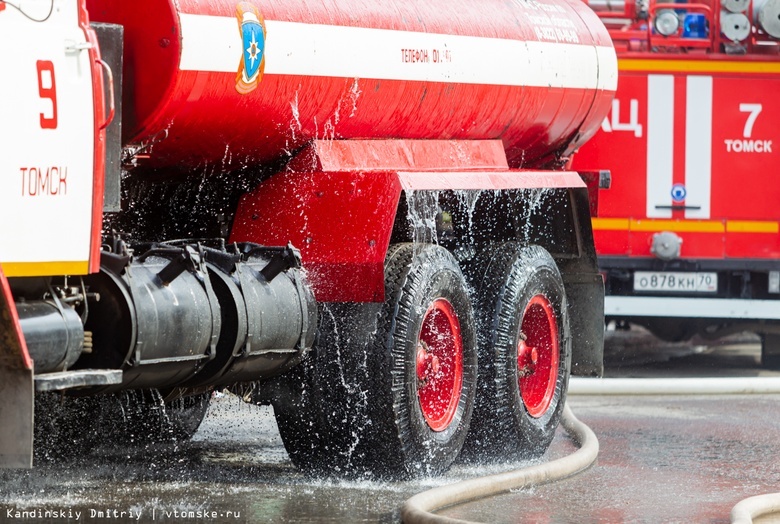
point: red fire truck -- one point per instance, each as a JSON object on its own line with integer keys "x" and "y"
{"x": 688, "y": 234}
{"x": 356, "y": 212}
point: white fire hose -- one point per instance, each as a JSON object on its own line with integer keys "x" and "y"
{"x": 746, "y": 510}
{"x": 419, "y": 509}
{"x": 674, "y": 386}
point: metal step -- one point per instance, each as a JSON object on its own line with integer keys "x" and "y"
{"x": 77, "y": 379}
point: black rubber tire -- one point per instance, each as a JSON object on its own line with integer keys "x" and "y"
{"x": 507, "y": 276}
{"x": 357, "y": 412}
{"x": 313, "y": 406}
{"x": 319, "y": 405}
{"x": 415, "y": 276}
{"x": 186, "y": 414}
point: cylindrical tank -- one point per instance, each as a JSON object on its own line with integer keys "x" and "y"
{"x": 230, "y": 83}
{"x": 170, "y": 317}
{"x": 158, "y": 321}
{"x": 54, "y": 334}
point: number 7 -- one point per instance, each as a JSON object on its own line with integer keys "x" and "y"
{"x": 47, "y": 89}
{"x": 754, "y": 110}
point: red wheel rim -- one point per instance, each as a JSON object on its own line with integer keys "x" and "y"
{"x": 538, "y": 355}
{"x": 439, "y": 365}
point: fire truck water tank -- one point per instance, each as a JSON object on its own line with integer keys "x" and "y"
{"x": 231, "y": 83}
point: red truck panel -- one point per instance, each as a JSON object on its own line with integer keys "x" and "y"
{"x": 691, "y": 145}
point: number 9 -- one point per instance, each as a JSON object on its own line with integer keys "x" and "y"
{"x": 47, "y": 89}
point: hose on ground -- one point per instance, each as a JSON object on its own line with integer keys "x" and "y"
{"x": 746, "y": 510}
{"x": 674, "y": 386}
{"x": 419, "y": 509}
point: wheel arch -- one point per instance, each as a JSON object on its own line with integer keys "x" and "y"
{"x": 556, "y": 219}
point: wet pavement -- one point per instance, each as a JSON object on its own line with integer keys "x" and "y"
{"x": 662, "y": 459}
{"x": 670, "y": 459}
{"x": 235, "y": 469}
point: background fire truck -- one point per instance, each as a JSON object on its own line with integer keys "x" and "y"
{"x": 688, "y": 234}
{"x": 356, "y": 212}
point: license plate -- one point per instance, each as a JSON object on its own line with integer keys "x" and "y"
{"x": 676, "y": 281}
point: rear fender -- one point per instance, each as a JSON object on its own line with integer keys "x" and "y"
{"x": 338, "y": 203}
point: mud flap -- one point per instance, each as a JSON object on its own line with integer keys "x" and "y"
{"x": 585, "y": 293}
{"x": 16, "y": 387}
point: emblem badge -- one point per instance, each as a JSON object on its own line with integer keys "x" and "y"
{"x": 679, "y": 193}
{"x": 251, "y": 26}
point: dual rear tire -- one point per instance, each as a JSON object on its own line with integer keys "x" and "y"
{"x": 390, "y": 390}
{"x": 524, "y": 353}
{"x": 388, "y": 393}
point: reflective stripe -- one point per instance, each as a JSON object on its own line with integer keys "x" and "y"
{"x": 660, "y": 144}
{"x": 698, "y": 146}
{"x": 610, "y": 224}
{"x": 40, "y": 269}
{"x": 294, "y": 48}
{"x": 694, "y": 226}
{"x": 710, "y": 226}
{"x": 746, "y": 226}
{"x": 699, "y": 66}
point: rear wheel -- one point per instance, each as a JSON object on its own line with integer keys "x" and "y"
{"x": 427, "y": 328}
{"x": 408, "y": 377}
{"x": 185, "y": 415}
{"x": 524, "y": 352}
{"x": 321, "y": 406}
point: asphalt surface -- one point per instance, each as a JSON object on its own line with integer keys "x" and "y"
{"x": 671, "y": 459}
{"x": 662, "y": 459}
